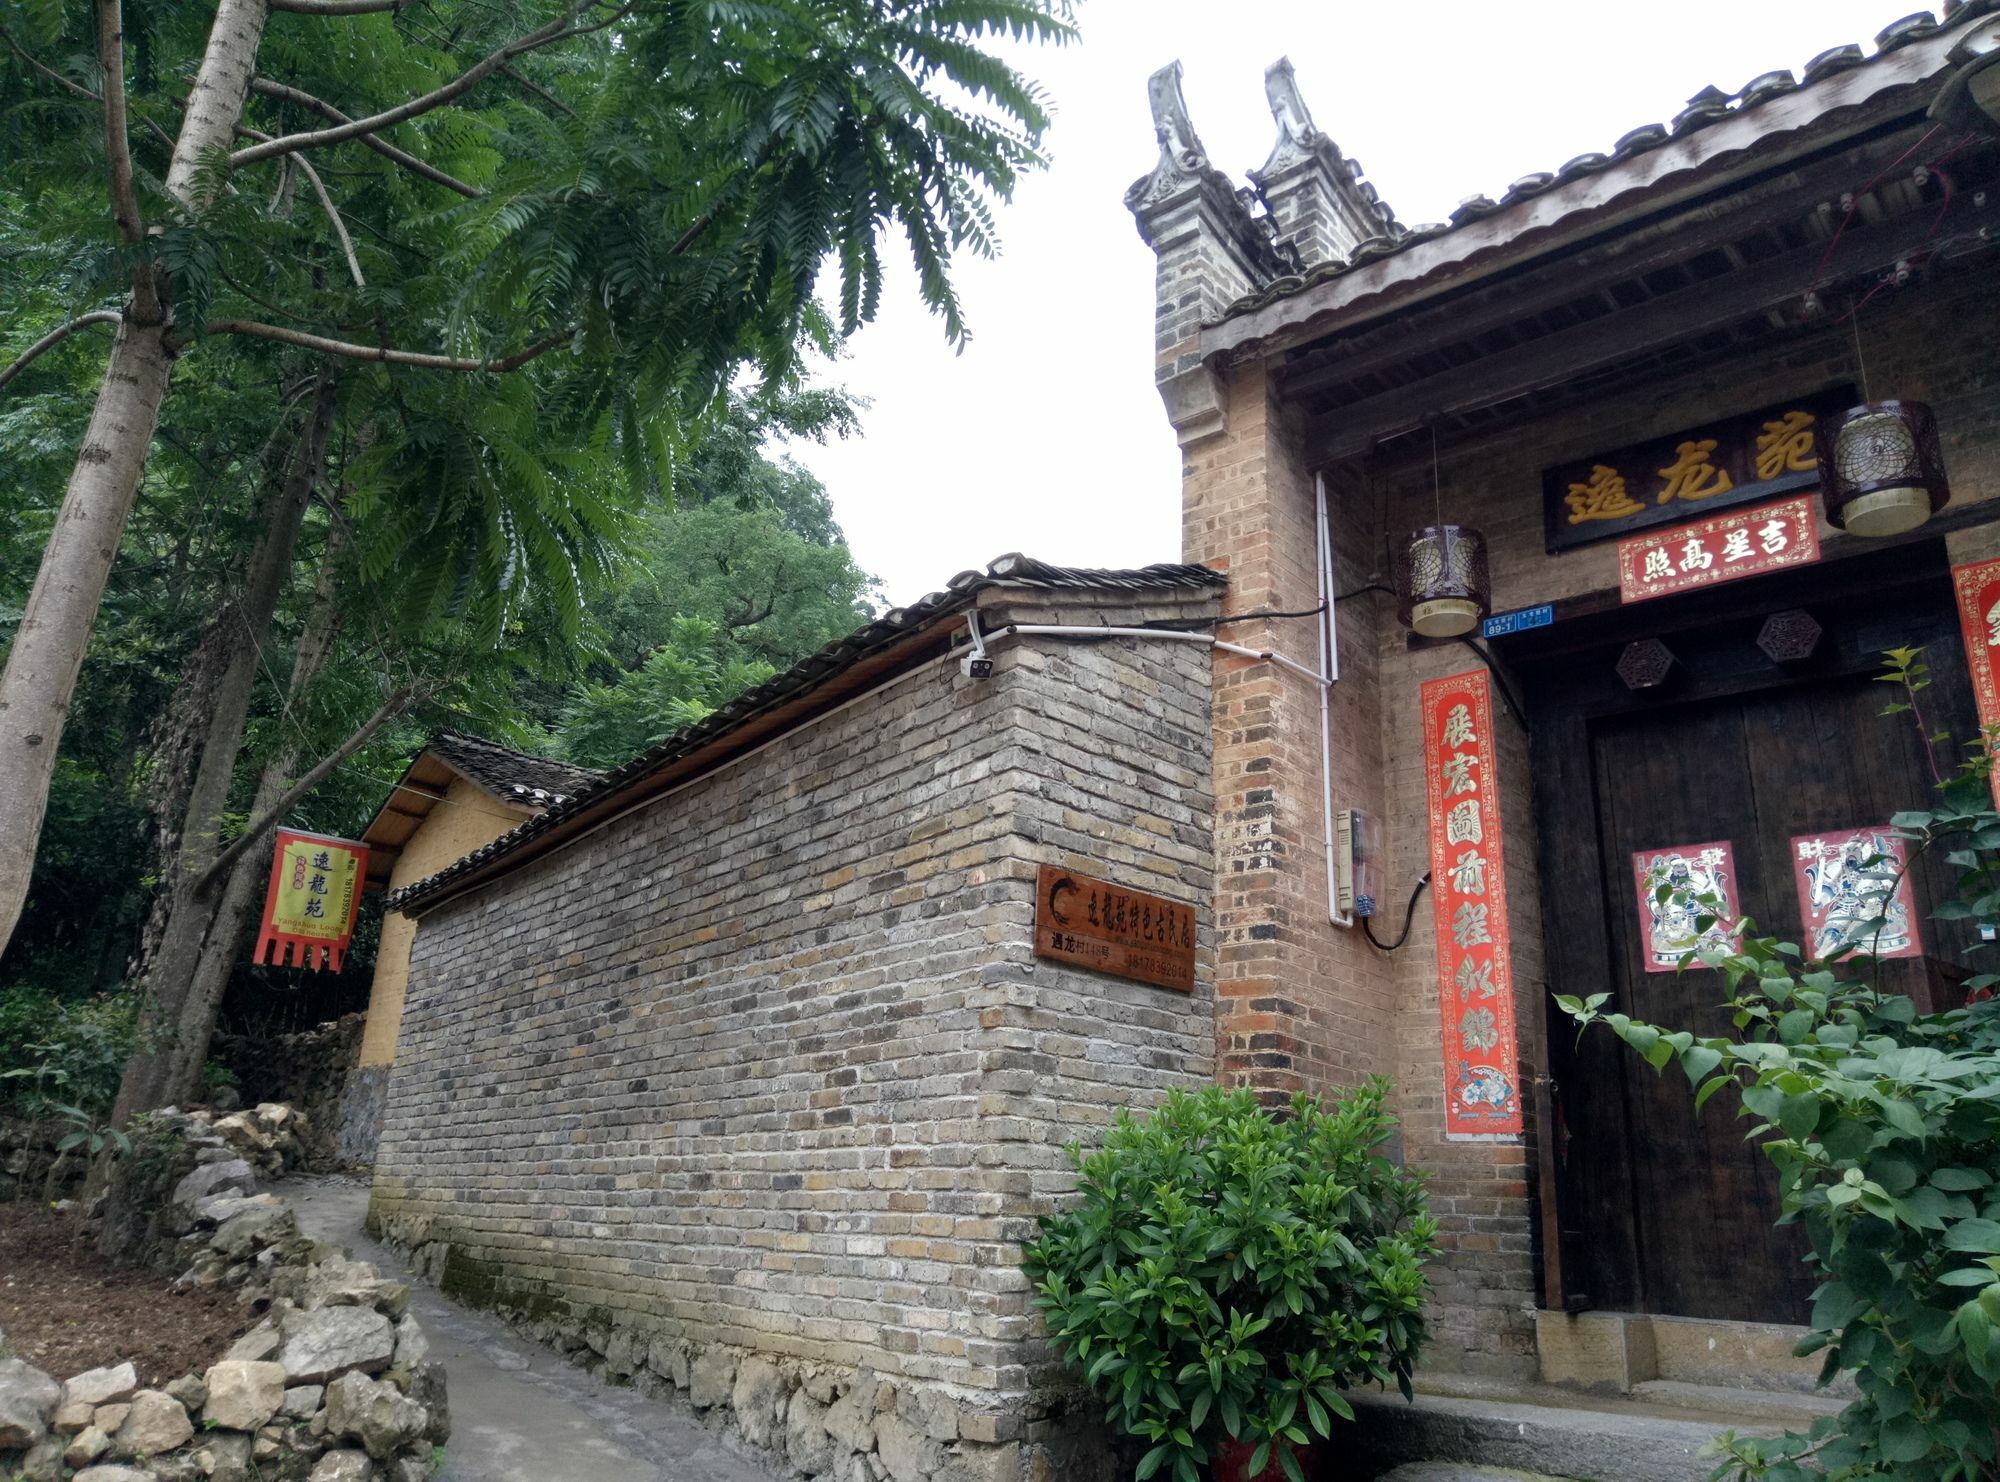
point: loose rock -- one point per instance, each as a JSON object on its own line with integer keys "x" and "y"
{"x": 303, "y": 1400}
{"x": 214, "y": 1178}
{"x": 412, "y": 1347}
{"x": 28, "y": 1398}
{"x": 327, "y": 1343}
{"x": 155, "y": 1423}
{"x": 102, "y": 1386}
{"x": 243, "y": 1396}
{"x": 373, "y": 1412}
{"x": 189, "y": 1390}
{"x": 342, "y": 1466}
{"x": 86, "y": 1446}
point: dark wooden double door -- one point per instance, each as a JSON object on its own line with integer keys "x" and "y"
{"x": 1660, "y": 1208}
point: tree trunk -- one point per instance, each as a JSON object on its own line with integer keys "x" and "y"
{"x": 215, "y": 702}
{"x": 238, "y": 899}
{"x": 55, "y": 627}
{"x": 62, "y": 609}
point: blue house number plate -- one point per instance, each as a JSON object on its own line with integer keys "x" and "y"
{"x": 1518, "y": 621}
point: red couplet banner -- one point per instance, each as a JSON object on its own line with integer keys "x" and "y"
{"x": 1978, "y": 588}
{"x": 1469, "y": 901}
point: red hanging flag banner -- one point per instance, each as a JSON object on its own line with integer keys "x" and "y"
{"x": 1469, "y": 900}
{"x": 1978, "y": 588}
{"x": 314, "y": 896}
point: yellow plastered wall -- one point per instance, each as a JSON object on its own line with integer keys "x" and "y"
{"x": 462, "y": 820}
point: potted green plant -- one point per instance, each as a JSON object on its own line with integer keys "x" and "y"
{"x": 1226, "y": 1273}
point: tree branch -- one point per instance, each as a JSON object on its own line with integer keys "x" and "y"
{"x": 53, "y": 338}
{"x": 383, "y": 353}
{"x": 75, "y": 87}
{"x": 539, "y": 91}
{"x": 337, "y": 7}
{"x": 326, "y": 201}
{"x": 392, "y": 707}
{"x": 556, "y": 30}
{"x": 117, "y": 145}
{"x": 381, "y": 146}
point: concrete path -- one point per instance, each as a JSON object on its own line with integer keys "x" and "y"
{"x": 519, "y": 1412}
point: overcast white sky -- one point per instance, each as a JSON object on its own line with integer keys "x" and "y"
{"x": 1046, "y": 436}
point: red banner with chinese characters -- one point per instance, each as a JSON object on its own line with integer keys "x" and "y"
{"x": 1724, "y": 547}
{"x": 1978, "y": 588}
{"x": 314, "y": 896}
{"x": 1469, "y": 902}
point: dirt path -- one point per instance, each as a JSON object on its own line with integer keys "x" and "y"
{"x": 519, "y": 1413}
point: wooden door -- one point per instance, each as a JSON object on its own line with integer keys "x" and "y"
{"x": 1661, "y": 1209}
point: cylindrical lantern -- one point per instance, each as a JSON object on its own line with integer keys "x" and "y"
{"x": 1442, "y": 589}
{"x": 1880, "y": 468}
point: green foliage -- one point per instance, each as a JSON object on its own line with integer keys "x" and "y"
{"x": 1227, "y": 1272}
{"x": 59, "y": 1052}
{"x": 607, "y": 725}
{"x": 87, "y": 1132}
{"x": 1884, "y": 1125}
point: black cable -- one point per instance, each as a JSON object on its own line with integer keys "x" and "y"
{"x": 1250, "y": 617}
{"x": 1409, "y": 915}
{"x": 1506, "y": 693}
{"x": 1373, "y": 586}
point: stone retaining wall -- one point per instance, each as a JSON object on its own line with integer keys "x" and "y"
{"x": 312, "y": 1071}
{"x": 334, "y": 1384}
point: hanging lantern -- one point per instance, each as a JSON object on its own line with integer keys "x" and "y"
{"x": 1880, "y": 468}
{"x": 1442, "y": 589}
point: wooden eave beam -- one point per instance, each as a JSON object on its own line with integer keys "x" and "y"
{"x": 1672, "y": 318}
{"x": 1593, "y": 271}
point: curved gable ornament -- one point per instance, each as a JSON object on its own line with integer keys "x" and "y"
{"x": 1183, "y": 162}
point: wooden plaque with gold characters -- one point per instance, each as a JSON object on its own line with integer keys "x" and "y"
{"x": 1092, "y": 923}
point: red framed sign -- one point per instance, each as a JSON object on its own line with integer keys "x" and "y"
{"x": 1725, "y": 547}
{"x": 1469, "y": 906}
{"x": 1978, "y": 589}
{"x": 312, "y": 900}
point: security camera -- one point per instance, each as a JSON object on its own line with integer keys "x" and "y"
{"x": 976, "y": 666}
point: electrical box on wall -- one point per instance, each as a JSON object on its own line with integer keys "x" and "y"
{"x": 1357, "y": 864}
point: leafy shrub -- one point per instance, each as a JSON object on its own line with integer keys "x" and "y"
{"x": 1884, "y": 1124}
{"x": 1227, "y": 1272}
{"x": 61, "y": 1051}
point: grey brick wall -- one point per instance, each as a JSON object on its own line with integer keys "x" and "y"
{"x": 769, "y": 1063}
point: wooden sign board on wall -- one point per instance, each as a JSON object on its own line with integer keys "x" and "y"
{"x": 1092, "y": 923}
{"x": 1726, "y": 464}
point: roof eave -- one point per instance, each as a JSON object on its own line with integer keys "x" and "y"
{"x": 1826, "y": 113}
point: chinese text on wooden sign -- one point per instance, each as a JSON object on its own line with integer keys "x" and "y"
{"x": 1727, "y": 547}
{"x": 1469, "y": 898}
{"x": 1978, "y": 588}
{"x": 314, "y": 895}
{"x": 1127, "y": 933}
{"x": 1743, "y": 460}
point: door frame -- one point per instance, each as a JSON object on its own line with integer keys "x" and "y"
{"x": 1568, "y": 682}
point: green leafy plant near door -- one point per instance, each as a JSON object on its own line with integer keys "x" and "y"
{"x": 1227, "y": 1272}
{"x": 1884, "y": 1125}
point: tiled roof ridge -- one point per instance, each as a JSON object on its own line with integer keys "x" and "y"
{"x": 1709, "y": 106}
{"x": 513, "y": 774}
{"x": 1010, "y": 571}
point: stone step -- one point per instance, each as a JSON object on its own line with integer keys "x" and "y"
{"x": 1516, "y": 1430}
{"x": 1782, "y": 1408}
